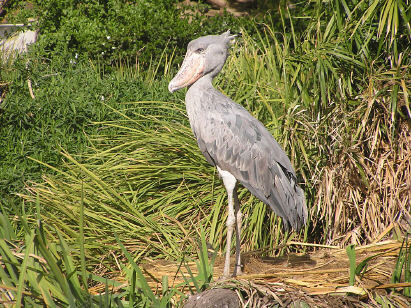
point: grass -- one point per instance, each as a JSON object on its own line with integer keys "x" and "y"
{"x": 153, "y": 195}
{"x": 403, "y": 266}
{"x": 113, "y": 150}
{"x": 127, "y": 184}
{"x": 67, "y": 98}
{"x": 38, "y": 272}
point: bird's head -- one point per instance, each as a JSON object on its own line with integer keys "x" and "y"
{"x": 205, "y": 55}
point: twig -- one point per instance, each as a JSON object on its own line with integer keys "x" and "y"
{"x": 288, "y": 273}
{"x": 312, "y": 245}
{"x": 382, "y": 234}
{"x": 394, "y": 285}
{"x": 30, "y": 89}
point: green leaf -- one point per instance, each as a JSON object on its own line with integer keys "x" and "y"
{"x": 351, "y": 257}
{"x": 136, "y": 271}
{"x": 21, "y": 284}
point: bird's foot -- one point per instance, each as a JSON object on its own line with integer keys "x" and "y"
{"x": 237, "y": 271}
{"x": 226, "y": 274}
{"x": 223, "y": 278}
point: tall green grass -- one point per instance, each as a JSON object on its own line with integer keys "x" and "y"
{"x": 118, "y": 176}
{"x": 148, "y": 183}
{"x": 68, "y": 97}
{"x": 35, "y": 272}
{"x": 144, "y": 178}
{"x": 334, "y": 93}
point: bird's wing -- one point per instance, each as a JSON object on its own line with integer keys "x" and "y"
{"x": 232, "y": 139}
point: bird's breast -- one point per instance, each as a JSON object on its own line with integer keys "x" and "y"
{"x": 199, "y": 106}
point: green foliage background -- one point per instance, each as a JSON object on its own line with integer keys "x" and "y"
{"x": 113, "y": 30}
{"x": 104, "y": 143}
{"x": 108, "y": 33}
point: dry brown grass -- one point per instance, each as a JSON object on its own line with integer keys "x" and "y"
{"x": 320, "y": 278}
{"x": 365, "y": 188}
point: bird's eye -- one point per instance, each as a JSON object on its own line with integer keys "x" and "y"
{"x": 200, "y": 50}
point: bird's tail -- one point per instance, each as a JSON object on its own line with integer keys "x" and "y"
{"x": 293, "y": 204}
{"x": 301, "y": 206}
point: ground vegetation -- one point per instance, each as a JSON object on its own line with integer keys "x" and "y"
{"x": 100, "y": 171}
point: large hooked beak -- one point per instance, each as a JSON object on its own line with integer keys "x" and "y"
{"x": 191, "y": 70}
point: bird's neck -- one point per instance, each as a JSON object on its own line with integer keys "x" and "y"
{"x": 199, "y": 100}
{"x": 205, "y": 83}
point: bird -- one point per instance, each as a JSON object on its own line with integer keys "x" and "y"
{"x": 236, "y": 143}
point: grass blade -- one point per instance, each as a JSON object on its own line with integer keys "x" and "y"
{"x": 351, "y": 257}
{"x": 29, "y": 247}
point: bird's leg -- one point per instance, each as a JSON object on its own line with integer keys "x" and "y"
{"x": 230, "y": 229}
{"x": 229, "y": 183}
{"x": 238, "y": 220}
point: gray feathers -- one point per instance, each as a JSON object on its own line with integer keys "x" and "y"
{"x": 229, "y": 137}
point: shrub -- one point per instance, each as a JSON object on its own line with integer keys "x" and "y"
{"x": 112, "y": 30}
{"x": 68, "y": 96}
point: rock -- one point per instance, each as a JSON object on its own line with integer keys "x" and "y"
{"x": 15, "y": 43}
{"x": 214, "y": 298}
